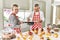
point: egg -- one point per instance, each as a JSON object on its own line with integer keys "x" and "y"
{"x": 55, "y": 35}
{"x": 40, "y": 35}
{"x": 43, "y": 32}
{"x": 36, "y": 31}
{"x": 30, "y": 38}
{"x": 48, "y": 34}
{"x": 20, "y": 34}
{"x": 42, "y": 38}
{"x": 18, "y": 38}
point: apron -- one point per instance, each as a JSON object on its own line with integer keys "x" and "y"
{"x": 36, "y": 19}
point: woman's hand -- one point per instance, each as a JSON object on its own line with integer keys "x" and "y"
{"x": 21, "y": 22}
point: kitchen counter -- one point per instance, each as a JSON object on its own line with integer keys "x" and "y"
{"x": 36, "y": 37}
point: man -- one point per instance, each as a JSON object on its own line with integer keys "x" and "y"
{"x": 13, "y": 19}
{"x": 37, "y": 17}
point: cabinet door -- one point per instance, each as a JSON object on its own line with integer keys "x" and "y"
{"x": 58, "y": 15}
{"x": 23, "y": 4}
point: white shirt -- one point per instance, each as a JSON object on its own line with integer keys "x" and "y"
{"x": 41, "y": 15}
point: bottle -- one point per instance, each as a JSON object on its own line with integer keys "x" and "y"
{"x": 36, "y": 31}
{"x": 48, "y": 38}
{"x": 18, "y": 38}
{"x": 42, "y": 38}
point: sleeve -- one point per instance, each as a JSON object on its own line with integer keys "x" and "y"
{"x": 42, "y": 16}
{"x": 12, "y": 20}
{"x": 31, "y": 16}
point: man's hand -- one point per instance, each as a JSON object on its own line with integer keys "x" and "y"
{"x": 40, "y": 21}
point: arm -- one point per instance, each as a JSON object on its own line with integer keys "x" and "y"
{"x": 42, "y": 16}
{"x": 12, "y": 20}
{"x": 30, "y": 16}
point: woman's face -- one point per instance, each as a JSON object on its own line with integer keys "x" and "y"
{"x": 15, "y": 9}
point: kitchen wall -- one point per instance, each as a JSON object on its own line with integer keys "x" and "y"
{"x": 56, "y": 12}
{"x": 1, "y": 13}
{"x": 23, "y": 4}
{"x": 48, "y": 11}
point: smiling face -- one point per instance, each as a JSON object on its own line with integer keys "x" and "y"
{"x": 15, "y": 8}
{"x": 36, "y": 7}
